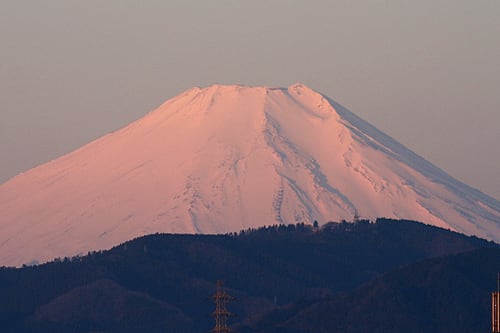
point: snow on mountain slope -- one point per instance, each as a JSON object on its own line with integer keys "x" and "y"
{"x": 226, "y": 158}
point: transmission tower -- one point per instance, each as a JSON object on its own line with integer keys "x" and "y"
{"x": 495, "y": 308}
{"x": 221, "y": 314}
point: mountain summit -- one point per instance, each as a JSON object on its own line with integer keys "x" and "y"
{"x": 226, "y": 158}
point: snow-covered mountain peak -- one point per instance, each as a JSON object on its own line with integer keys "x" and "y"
{"x": 225, "y": 158}
{"x": 300, "y": 88}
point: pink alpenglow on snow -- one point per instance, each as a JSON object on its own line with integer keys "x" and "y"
{"x": 226, "y": 158}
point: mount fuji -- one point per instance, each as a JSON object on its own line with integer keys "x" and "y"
{"x": 225, "y": 158}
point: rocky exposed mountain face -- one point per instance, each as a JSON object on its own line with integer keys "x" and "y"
{"x": 226, "y": 158}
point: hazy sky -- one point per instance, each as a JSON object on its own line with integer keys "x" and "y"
{"x": 425, "y": 72}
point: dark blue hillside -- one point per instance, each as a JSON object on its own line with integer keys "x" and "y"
{"x": 447, "y": 295}
{"x": 156, "y": 281}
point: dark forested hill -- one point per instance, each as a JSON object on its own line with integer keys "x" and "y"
{"x": 163, "y": 283}
{"x": 447, "y": 295}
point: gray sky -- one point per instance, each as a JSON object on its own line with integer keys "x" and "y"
{"x": 425, "y": 72}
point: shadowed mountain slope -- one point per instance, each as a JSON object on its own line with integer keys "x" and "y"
{"x": 447, "y": 295}
{"x": 173, "y": 276}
